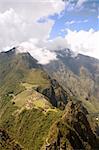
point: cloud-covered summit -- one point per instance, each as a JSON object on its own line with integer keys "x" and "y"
{"x": 42, "y": 55}
{"x": 42, "y": 26}
{"x": 84, "y": 42}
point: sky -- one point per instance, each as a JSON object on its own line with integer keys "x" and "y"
{"x": 43, "y": 26}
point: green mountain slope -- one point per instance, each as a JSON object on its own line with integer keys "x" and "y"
{"x": 19, "y": 68}
{"x": 13, "y": 68}
{"x": 22, "y": 107}
{"x": 36, "y": 113}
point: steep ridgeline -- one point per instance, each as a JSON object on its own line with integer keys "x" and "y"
{"x": 72, "y": 131}
{"x": 79, "y": 75}
{"x": 32, "y": 104}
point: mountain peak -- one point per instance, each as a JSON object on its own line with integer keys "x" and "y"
{"x": 10, "y": 52}
{"x": 66, "y": 52}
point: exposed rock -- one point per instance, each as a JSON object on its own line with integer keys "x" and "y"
{"x": 78, "y": 75}
{"x": 56, "y": 94}
{"x": 73, "y": 131}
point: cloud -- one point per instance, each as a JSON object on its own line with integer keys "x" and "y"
{"x": 33, "y": 9}
{"x": 16, "y": 30}
{"x": 19, "y": 20}
{"x": 75, "y": 22}
{"x": 82, "y": 21}
{"x": 80, "y": 3}
{"x": 70, "y": 22}
{"x": 85, "y": 42}
{"x": 76, "y": 5}
{"x": 55, "y": 44}
{"x": 20, "y": 25}
{"x": 43, "y": 55}
{"x": 27, "y": 24}
{"x": 43, "y": 51}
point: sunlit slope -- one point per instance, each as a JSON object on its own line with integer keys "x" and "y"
{"x": 17, "y": 68}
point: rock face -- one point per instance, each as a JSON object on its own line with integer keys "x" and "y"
{"x": 55, "y": 93}
{"x": 73, "y": 131}
{"x": 79, "y": 75}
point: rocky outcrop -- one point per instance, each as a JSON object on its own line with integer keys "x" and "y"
{"x": 73, "y": 131}
{"x": 55, "y": 93}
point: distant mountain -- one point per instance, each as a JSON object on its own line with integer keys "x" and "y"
{"x": 78, "y": 74}
{"x": 39, "y": 113}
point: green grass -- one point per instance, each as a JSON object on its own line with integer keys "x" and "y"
{"x": 37, "y": 77}
{"x": 30, "y": 128}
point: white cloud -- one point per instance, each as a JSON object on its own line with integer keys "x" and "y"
{"x": 82, "y": 21}
{"x": 80, "y": 3}
{"x": 74, "y": 4}
{"x": 16, "y": 30}
{"x": 55, "y": 44}
{"x": 43, "y": 51}
{"x": 70, "y": 22}
{"x": 43, "y": 55}
{"x": 34, "y": 9}
{"x": 75, "y": 22}
{"x": 19, "y": 23}
{"x": 85, "y": 42}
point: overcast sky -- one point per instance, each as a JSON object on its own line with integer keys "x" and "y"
{"x": 42, "y": 26}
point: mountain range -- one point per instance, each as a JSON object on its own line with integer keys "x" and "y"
{"x": 79, "y": 75}
{"x": 49, "y": 107}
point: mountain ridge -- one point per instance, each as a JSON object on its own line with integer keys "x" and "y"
{"x": 33, "y": 104}
{"x": 78, "y": 75}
